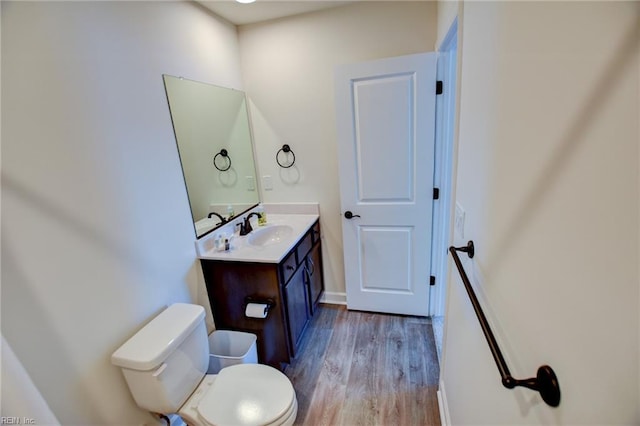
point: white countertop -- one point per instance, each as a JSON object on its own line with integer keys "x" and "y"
{"x": 242, "y": 251}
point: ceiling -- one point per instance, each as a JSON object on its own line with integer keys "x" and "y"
{"x": 264, "y": 10}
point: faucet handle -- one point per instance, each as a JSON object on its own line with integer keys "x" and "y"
{"x": 247, "y": 225}
{"x": 241, "y": 225}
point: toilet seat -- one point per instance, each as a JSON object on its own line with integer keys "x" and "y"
{"x": 243, "y": 394}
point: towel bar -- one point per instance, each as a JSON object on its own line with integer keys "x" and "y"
{"x": 545, "y": 382}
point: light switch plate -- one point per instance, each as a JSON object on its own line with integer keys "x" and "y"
{"x": 267, "y": 182}
{"x": 251, "y": 183}
{"x": 459, "y": 220}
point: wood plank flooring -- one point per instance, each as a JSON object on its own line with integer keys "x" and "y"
{"x": 361, "y": 368}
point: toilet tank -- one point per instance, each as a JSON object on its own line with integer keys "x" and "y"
{"x": 164, "y": 362}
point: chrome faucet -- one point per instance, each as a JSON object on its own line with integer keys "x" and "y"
{"x": 245, "y": 227}
{"x": 219, "y": 216}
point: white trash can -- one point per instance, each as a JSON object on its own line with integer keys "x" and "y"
{"x": 229, "y": 348}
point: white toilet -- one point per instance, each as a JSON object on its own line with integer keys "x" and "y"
{"x": 165, "y": 366}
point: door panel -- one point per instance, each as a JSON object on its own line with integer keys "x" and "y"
{"x": 314, "y": 268}
{"x": 384, "y": 256}
{"x": 385, "y": 119}
{"x": 384, "y": 141}
{"x": 297, "y": 307}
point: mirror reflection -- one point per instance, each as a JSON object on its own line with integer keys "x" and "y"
{"x": 212, "y": 131}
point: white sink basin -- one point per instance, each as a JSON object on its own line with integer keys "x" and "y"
{"x": 273, "y": 234}
{"x": 265, "y": 244}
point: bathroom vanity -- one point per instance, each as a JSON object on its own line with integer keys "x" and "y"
{"x": 279, "y": 264}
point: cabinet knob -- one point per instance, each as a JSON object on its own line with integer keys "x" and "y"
{"x": 289, "y": 267}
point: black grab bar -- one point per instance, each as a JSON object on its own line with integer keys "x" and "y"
{"x": 545, "y": 381}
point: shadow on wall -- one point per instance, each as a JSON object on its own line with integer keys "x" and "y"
{"x": 70, "y": 366}
{"x": 290, "y": 176}
{"x": 622, "y": 58}
{"x": 39, "y": 348}
{"x": 70, "y": 222}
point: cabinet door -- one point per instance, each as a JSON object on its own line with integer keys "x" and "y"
{"x": 316, "y": 283}
{"x": 228, "y": 286}
{"x": 296, "y": 299}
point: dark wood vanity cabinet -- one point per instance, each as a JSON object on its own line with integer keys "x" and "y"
{"x": 294, "y": 286}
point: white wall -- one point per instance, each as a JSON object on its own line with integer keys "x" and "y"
{"x": 447, "y": 12}
{"x": 97, "y": 235}
{"x": 548, "y": 175}
{"x": 20, "y": 397}
{"x": 287, "y": 68}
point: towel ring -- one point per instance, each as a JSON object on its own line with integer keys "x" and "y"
{"x": 223, "y": 152}
{"x": 286, "y": 149}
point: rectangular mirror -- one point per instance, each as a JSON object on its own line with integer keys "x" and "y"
{"x": 211, "y": 125}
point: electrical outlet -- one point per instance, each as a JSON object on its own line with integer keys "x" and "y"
{"x": 459, "y": 221}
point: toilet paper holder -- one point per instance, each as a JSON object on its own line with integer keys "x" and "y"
{"x": 270, "y": 303}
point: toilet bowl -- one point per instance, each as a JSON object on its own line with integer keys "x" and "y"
{"x": 243, "y": 394}
{"x": 165, "y": 364}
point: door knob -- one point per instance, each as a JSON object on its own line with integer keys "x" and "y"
{"x": 350, "y": 215}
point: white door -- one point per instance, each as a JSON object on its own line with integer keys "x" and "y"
{"x": 385, "y": 118}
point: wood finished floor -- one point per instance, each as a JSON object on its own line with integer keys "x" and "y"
{"x": 361, "y": 368}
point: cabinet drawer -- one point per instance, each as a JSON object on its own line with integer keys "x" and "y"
{"x": 305, "y": 245}
{"x": 288, "y": 266}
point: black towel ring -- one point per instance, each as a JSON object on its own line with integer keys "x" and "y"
{"x": 223, "y": 152}
{"x": 285, "y": 148}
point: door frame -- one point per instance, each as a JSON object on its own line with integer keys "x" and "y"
{"x": 443, "y": 168}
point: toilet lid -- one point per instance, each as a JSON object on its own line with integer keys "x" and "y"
{"x": 247, "y": 394}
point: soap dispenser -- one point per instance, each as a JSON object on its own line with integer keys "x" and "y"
{"x": 262, "y": 216}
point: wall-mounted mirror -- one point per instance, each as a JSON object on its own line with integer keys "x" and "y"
{"x": 212, "y": 132}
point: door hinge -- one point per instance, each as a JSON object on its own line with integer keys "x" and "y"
{"x": 432, "y": 280}
{"x": 439, "y": 87}
{"x": 436, "y": 193}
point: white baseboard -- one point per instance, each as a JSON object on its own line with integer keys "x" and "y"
{"x": 334, "y": 298}
{"x": 445, "y": 420}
